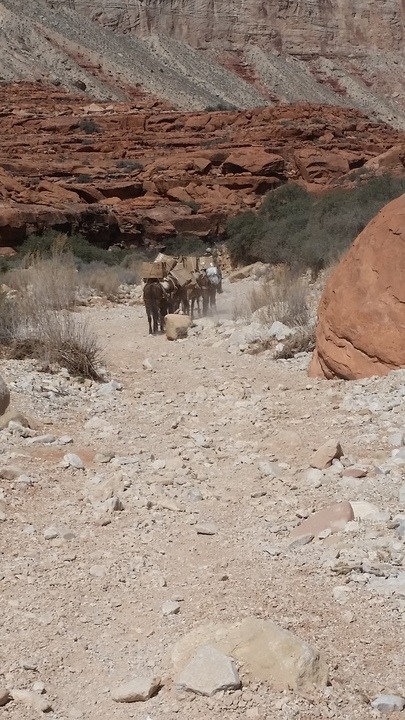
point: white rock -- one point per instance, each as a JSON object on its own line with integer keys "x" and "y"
{"x": 388, "y": 703}
{"x": 31, "y": 700}
{"x": 362, "y": 509}
{"x": 170, "y": 607}
{"x": 209, "y": 672}
{"x": 73, "y": 460}
{"x": 280, "y": 331}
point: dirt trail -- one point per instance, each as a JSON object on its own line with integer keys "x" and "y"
{"x": 189, "y": 438}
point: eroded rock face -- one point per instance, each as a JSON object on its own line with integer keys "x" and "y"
{"x": 135, "y": 173}
{"x": 361, "y": 326}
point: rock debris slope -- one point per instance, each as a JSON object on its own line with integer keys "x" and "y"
{"x": 194, "y": 469}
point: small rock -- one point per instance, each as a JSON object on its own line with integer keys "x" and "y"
{"x": 397, "y": 439}
{"x": 362, "y": 509}
{"x": 4, "y": 696}
{"x": 353, "y": 472}
{"x": 388, "y": 703}
{"x": 171, "y": 607}
{"x": 97, "y": 571}
{"x": 209, "y": 672}
{"x": 73, "y": 460}
{"x": 206, "y": 529}
{"x": 147, "y": 365}
{"x": 51, "y": 533}
{"x": 39, "y": 687}
{"x": 138, "y": 690}
{"x": 323, "y": 457}
{"x": 4, "y": 396}
{"x": 31, "y": 700}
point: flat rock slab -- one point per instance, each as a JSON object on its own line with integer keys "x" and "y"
{"x": 362, "y": 509}
{"x": 209, "y": 672}
{"x": 333, "y": 518}
{"x": 139, "y": 689}
{"x": 323, "y": 457}
{"x": 268, "y": 653}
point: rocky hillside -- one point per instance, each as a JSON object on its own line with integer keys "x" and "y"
{"x": 245, "y": 54}
{"x": 137, "y": 172}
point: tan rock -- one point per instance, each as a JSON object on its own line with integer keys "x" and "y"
{"x": 333, "y": 518}
{"x": 268, "y": 653}
{"x": 176, "y": 326}
{"x": 361, "y": 323}
{"x": 31, "y": 700}
{"x": 209, "y": 672}
{"x": 4, "y": 396}
{"x": 323, "y": 457}
{"x": 13, "y": 416}
{"x": 139, "y": 689}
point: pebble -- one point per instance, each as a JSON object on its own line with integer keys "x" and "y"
{"x": 51, "y": 533}
{"x": 206, "y": 529}
{"x": 4, "y": 696}
{"x": 170, "y": 607}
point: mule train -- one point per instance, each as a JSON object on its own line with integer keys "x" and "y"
{"x": 179, "y": 285}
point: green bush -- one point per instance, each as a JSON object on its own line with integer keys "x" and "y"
{"x": 88, "y": 126}
{"x": 129, "y": 164}
{"x": 185, "y": 245}
{"x": 76, "y": 244}
{"x": 306, "y": 231}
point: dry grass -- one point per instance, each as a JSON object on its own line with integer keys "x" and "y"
{"x": 50, "y": 282}
{"x": 284, "y": 297}
{"x": 302, "y": 341}
{"x": 36, "y": 322}
{"x": 102, "y": 278}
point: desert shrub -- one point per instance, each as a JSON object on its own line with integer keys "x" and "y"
{"x": 185, "y": 245}
{"x": 47, "y": 282}
{"x": 129, "y": 164}
{"x": 83, "y": 178}
{"x": 102, "y": 278}
{"x": 303, "y": 340}
{"x": 195, "y": 206}
{"x": 283, "y": 297}
{"x": 75, "y": 244}
{"x": 88, "y": 126}
{"x": 35, "y": 320}
{"x": 221, "y": 105}
{"x": 306, "y": 231}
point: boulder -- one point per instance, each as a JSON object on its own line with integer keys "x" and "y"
{"x": 176, "y": 326}
{"x": 4, "y": 396}
{"x": 317, "y": 166}
{"x": 323, "y": 457}
{"x": 268, "y": 653}
{"x": 334, "y": 518}
{"x": 361, "y": 316}
{"x": 254, "y": 160}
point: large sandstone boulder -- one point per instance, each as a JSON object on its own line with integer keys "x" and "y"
{"x": 361, "y": 316}
{"x": 176, "y": 326}
{"x": 4, "y": 396}
{"x": 268, "y": 653}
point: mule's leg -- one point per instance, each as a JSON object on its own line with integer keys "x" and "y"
{"x": 205, "y": 298}
{"x": 149, "y": 322}
{"x": 155, "y": 320}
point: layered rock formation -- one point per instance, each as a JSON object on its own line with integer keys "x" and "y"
{"x": 208, "y": 54}
{"x": 139, "y": 172}
{"x": 361, "y": 326}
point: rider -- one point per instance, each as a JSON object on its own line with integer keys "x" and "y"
{"x": 214, "y": 254}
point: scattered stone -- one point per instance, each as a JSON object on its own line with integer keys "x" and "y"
{"x": 280, "y": 331}
{"x": 147, "y": 365}
{"x": 209, "y": 672}
{"x": 206, "y": 529}
{"x": 73, "y": 460}
{"x": 388, "y": 703}
{"x": 13, "y": 416}
{"x": 39, "y": 687}
{"x": 138, "y": 690}
{"x": 177, "y": 326}
{"x": 171, "y": 607}
{"x": 363, "y": 509}
{"x": 4, "y": 396}
{"x": 397, "y": 439}
{"x": 268, "y": 653}
{"x": 31, "y": 700}
{"x": 334, "y": 517}
{"x": 51, "y": 533}
{"x": 4, "y": 696}
{"x": 353, "y": 472}
{"x": 323, "y": 457}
